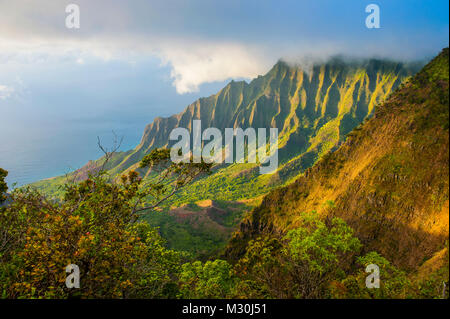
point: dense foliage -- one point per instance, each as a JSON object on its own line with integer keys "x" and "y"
{"x": 3, "y": 186}
{"x": 96, "y": 227}
{"x": 119, "y": 256}
{"x": 391, "y": 195}
{"x": 389, "y": 182}
{"x": 313, "y": 110}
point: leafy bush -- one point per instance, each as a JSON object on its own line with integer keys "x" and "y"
{"x": 3, "y": 186}
{"x": 302, "y": 263}
{"x": 212, "y": 279}
{"x": 394, "y": 282}
{"x": 95, "y": 227}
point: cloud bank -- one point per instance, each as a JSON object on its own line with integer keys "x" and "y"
{"x": 204, "y": 41}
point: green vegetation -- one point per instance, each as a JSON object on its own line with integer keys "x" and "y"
{"x": 119, "y": 257}
{"x": 381, "y": 198}
{"x": 312, "y": 110}
{"x": 394, "y": 283}
{"x": 3, "y": 186}
{"x": 389, "y": 182}
{"x": 200, "y": 231}
{"x": 320, "y": 259}
{"x": 302, "y": 263}
{"x": 213, "y": 279}
{"x": 95, "y": 227}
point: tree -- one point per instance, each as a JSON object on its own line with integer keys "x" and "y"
{"x": 96, "y": 226}
{"x": 318, "y": 252}
{"x": 303, "y": 263}
{"x": 3, "y": 186}
{"x": 394, "y": 282}
{"x": 262, "y": 270}
{"x": 213, "y": 279}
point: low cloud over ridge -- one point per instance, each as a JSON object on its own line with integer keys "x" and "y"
{"x": 204, "y": 43}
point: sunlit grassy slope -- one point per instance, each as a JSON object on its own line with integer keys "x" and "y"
{"x": 389, "y": 180}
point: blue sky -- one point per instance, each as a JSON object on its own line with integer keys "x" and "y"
{"x": 131, "y": 61}
{"x": 149, "y": 52}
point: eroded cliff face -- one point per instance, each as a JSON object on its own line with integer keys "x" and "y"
{"x": 389, "y": 180}
{"x": 312, "y": 109}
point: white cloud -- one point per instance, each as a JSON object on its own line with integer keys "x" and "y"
{"x": 194, "y": 40}
{"x": 200, "y": 63}
{"x": 192, "y": 62}
{"x": 6, "y": 92}
{"x": 35, "y": 34}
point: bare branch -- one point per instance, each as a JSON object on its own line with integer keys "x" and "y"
{"x": 108, "y": 154}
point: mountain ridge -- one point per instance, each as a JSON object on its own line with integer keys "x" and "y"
{"x": 388, "y": 181}
{"x": 313, "y": 110}
{"x": 280, "y": 99}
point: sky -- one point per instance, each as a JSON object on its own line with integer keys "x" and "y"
{"x": 131, "y": 61}
{"x": 189, "y": 43}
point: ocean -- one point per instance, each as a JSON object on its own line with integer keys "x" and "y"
{"x": 35, "y": 153}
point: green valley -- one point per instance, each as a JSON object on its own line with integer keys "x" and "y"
{"x": 313, "y": 110}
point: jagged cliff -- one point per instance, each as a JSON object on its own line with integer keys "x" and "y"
{"x": 389, "y": 180}
{"x": 312, "y": 109}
